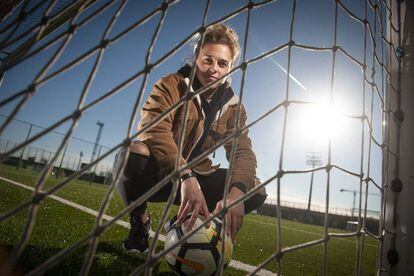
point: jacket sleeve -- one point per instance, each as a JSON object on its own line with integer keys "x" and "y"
{"x": 159, "y": 137}
{"x": 244, "y": 166}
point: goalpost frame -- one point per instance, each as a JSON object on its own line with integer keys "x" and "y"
{"x": 397, "y": 257}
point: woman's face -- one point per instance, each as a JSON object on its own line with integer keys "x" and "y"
{"x": 213, "y": 62}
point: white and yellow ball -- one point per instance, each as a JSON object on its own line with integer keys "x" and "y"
{"x": 200, "y": 254}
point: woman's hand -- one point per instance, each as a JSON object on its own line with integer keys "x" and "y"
{"x": 235, "y": 214}
{"x": 192, "y": 201}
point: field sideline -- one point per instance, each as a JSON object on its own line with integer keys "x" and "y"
{"x": 58, "y": 226}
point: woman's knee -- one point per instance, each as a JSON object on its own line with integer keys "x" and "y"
{"x": 254, "y": 202}
{"x": 136, "y": 177}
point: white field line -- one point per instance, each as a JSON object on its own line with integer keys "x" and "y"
{"x": 234, "y": 264}
{"x": 305, "y": 232}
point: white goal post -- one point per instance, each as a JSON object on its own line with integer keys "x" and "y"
{"x": 397, "y": 256}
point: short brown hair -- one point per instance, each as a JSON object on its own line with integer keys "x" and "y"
{"x": 220, "y": 34}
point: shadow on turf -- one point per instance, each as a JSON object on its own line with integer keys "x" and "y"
{"x": 110, "y": 259}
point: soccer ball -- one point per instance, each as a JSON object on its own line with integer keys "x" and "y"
{"x": 200, "y": 254}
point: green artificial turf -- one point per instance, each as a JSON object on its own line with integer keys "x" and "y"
{"x": 59, "y": 226}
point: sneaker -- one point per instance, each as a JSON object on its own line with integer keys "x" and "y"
{"x": 137, "y": 240}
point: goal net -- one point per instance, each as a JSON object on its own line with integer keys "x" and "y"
{"x": 320, "y": 79}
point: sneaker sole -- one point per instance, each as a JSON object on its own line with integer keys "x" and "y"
{"x": 135, "y": 250}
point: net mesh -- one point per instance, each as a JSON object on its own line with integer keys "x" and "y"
{"x": 41, "y": 18}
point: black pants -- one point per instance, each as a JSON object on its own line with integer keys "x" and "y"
{"x": 142, "y": 173}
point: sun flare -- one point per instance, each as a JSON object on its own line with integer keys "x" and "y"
{"x": 320, "y": 121}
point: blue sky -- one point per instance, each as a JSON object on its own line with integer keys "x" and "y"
{"x": 265, "y": 87}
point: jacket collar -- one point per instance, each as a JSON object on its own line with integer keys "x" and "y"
{"x": 230, "y": 97}
{"x": 233, "y": 101}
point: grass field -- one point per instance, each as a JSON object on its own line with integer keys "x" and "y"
{"x": 58, "y": 226}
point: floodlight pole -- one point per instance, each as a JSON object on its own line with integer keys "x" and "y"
{"x": 95, "y": 148}
{"x": 314, "y": 160}
{"x": 310, "y": 191}
{"x": 80, "y": 161}
{"x": 5, "y": 147}
{"x": 61, "y": 161}
{"x": 94, "y": 168}
{"x": 24, "y": 148}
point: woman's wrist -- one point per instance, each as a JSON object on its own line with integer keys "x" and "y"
{"x": 186, "y": 176}
{"x": 185, "y": 172}
{"x": 238, "y": 186}
{"x": 235, "y": 193}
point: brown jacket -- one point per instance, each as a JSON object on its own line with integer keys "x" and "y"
{"x": 162, "y": 139}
